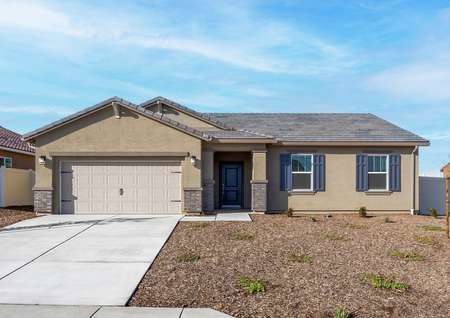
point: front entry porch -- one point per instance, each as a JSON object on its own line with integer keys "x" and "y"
{"x": 234, "y": 181}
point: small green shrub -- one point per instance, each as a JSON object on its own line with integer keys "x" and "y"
{"x": 342, "y": 313}
{"x": 200, "y": 225}
{"x": 290, "y": 212}
{"x": 427, "y": 240}
{"x": 409, "y": 256}
{"x": 388, "y": 220}
{"x": 357, "y": 226}
{"x": 300, "y": 258}
{"x": 252, "y": 286}
{"x": 379, "y": 281}
{"x": 362, "y": 212}
{"x": 242, "y": 237}
{"x": 433, "y": 212}
{"x": 432, "y": 228}
{"x": 335, "y": 237}
{"x": 188, "y": 258}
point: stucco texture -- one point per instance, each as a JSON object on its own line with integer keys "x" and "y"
{"x": 340, "y": 189}
{"x": 102, "y": 132}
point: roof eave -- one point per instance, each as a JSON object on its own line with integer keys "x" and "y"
{"x": 244, "y": 140}
{"x": 17, "y": 150}
{"x": 355, "y": 143}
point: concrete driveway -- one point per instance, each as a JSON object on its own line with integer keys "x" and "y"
{"x": 79, "y": 259}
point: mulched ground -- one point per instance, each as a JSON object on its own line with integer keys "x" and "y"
{"x": 13, "y": 215}
{"x": 332, "y": 280}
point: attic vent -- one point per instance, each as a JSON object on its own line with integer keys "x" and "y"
{"x": 159, "y": 107}
{"x": 116, "y": 110}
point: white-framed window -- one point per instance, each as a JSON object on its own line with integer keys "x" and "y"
{"x": 302, "y": 172}
{"x": 378, "y": 177}
{"x": 5, "y": 162}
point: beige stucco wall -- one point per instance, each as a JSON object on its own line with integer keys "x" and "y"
{"x": 17, "y": 186}
{"x": 102, "y": 132}
{"x": 340, "y": 193}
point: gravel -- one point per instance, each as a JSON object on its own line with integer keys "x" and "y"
{"x": 10, "y": 216}
{"x": 333, "y": 278}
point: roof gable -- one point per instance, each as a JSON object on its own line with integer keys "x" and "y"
{"x": 200, "y": 116}
{"x": 123, "y": 103}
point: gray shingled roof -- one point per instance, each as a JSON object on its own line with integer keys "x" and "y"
{"x": 319, "y": 127}
{"x": 10, "y": 139}
{"x": 296, "y": 127}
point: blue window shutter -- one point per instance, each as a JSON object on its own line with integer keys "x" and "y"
{"x": 285, "y": 172}
{"x": 362, "y": 174}
{"x": 319, "y": 172}
{"x": 394, "y": 172}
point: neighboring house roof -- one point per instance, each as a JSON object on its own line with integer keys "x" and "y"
{"x": 283, "y": 127}
{"x": 310, "y": 127}
{"x": 13, "y": 141}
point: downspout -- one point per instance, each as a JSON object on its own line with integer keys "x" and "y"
{"x": 414, "y": 181}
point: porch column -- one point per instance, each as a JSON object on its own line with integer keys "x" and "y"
{"x": 208, "y": 180}
{"x": 259, "y": 180}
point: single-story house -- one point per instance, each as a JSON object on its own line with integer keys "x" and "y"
{"x": 14, "y": 152}
{"x": 162, "y": 157}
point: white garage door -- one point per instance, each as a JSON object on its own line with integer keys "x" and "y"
{"x": 120, "y": 187}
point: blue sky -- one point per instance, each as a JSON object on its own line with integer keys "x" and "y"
{"x": 390, "y": 58}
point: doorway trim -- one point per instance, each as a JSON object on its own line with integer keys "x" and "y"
{"x": 241, "y": 184}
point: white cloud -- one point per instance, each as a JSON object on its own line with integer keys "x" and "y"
{"x": 424, "y": 81}
{"x": 36, "y": 110}
{"x": 258, "y": 92}
{"x": 439, "y": 135}
{"x": 257, "y": 46}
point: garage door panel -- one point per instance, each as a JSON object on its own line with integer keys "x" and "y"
{"x": 94, "y": 187}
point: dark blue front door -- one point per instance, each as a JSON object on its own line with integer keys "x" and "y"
{"x": 231, "y": 185}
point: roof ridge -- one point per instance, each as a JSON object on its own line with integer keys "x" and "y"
{"x": 135, "y": 107}
{"x": 179, "y": 106}
{"x": 287, "y": 113}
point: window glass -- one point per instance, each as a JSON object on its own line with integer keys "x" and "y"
{"x": 377, "y": 181}
{"x": 301, "y": 163}
{"x": 378, "y": 174}
{"x": 301, "y": 181}
{"x": 377, "y": 163}
{"x": 6, "y": 162}
{"x": 302, "y": 172}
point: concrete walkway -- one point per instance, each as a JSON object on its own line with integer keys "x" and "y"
{"x": 79, "y": 259}
{"x": 43, "y": 311}
{"x": 225, "y": 217}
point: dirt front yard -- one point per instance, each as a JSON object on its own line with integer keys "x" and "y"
{"x": 278, "y": 266}
{"x": 10, "y": 216}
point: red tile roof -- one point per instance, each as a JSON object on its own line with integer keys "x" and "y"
{"x": 10, "y": 139}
